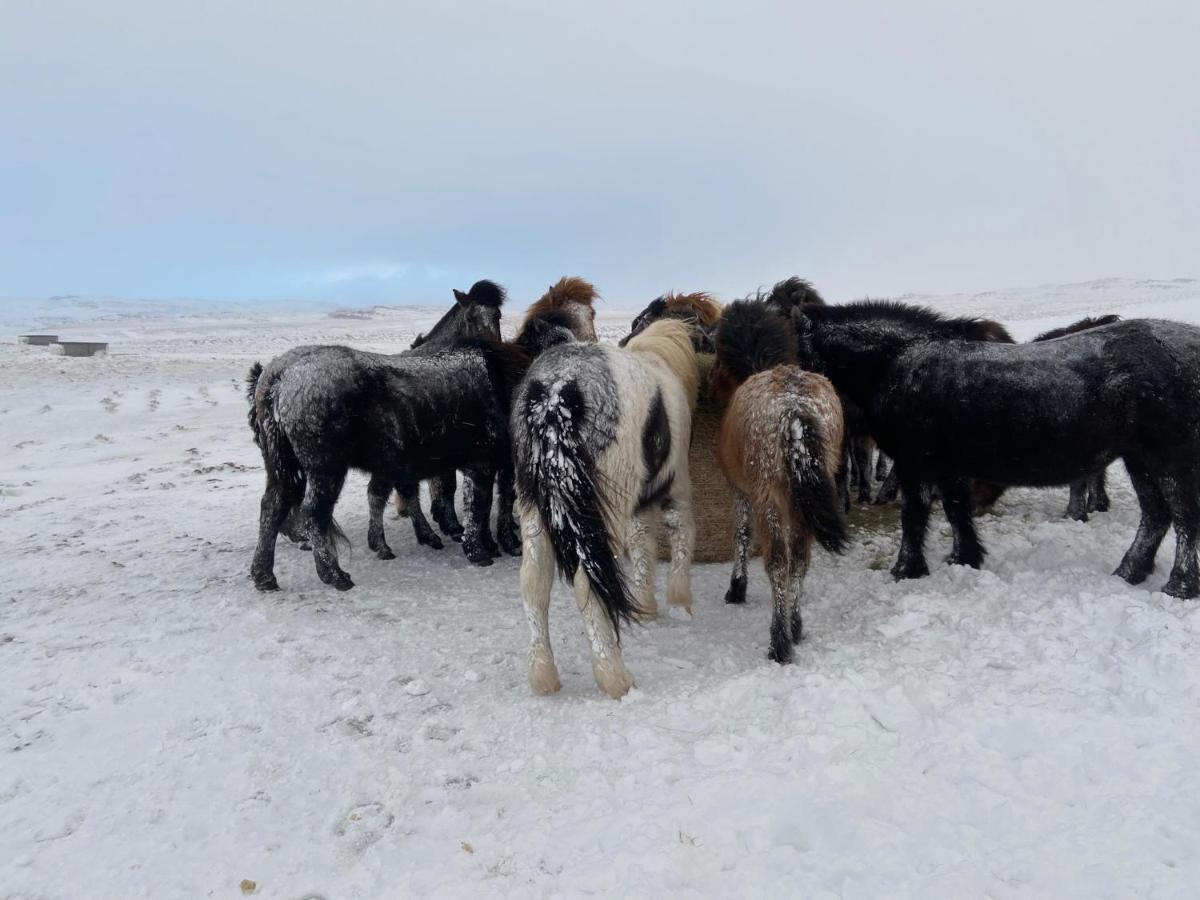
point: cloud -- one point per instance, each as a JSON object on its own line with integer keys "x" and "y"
{"x": 371, "y": 271}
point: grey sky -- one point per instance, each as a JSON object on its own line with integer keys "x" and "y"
{"x": 386, "y": 151}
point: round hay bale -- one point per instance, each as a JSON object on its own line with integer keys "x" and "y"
{"x": 712, "y": 500}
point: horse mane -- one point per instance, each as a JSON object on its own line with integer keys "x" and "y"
{"x": 487, "y": 293}
{"x": 570, "y": 289}
{"x": 794, "y": 292}
{"x": 705, "y": 307}
{"x": 1076, "y": 327}
{"x": 753, "y": 337}
{"x": 482, "y": 293}
{"x": 921, "y": 319}
{"x": 671, "y": 340}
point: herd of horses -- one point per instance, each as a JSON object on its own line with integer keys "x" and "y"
{"x": 588, "y": 442}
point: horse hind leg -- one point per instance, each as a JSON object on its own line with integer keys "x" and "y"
{"x": 914, "y": 520}
{"x": 277, "y": 504}
{"x": 742, "y": 532}
{"x": 779, "y": 572}
{"x": 801, "y": 553}
{"x": 681, "y": 534}
{"x": 608, "y": 667}
{"x": 478, "y": 545}
{"x": 320, "y": 496}
{"x": 506, "y": 527}
{"x": 968, "y": 551}
{"x": 641, "y": 545}
{"x": 1077, "y": 505}
{"x": 441, "y": 505}
{"x": 860, "y": 449}
{"x": 1138, "y": 561}
{"x": 1097, "y": 494}
{"x": 378, "y": 491}
{"x": 882, "y": 466}
{"x": 537, "y": 579}
{"x": 1182, "y": 492}
{"x": 890, "y": 489}
{"x": 422, "y": 530}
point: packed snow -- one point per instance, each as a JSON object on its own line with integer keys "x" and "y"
{"x": 1030, "y": 729}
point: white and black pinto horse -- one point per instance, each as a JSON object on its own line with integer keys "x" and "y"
{"x": 1036, "y": 414}
{"x": 600, "y": 437}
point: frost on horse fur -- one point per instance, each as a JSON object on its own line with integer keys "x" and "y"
{"x": 600, "y": 437}
{"x": 780, "y": 447}
{"x": 1036, "y": 414}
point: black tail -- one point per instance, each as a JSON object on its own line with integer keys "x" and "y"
{"x": 814, "y": 491}
{"x": 255, "y": 373}
{"x": 556, "y": 472}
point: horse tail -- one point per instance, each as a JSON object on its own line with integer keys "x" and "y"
{"x": 556, "y": 471}
{"x": 279, "y": 457}
{"x": 813, "y": 487}
{"x": 252, "y": 377}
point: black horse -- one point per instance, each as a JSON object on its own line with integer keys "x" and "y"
{"x": 1036, "y": 414}
{"x": 319, "y": 411}
{"x": 460, "y": 321}
{"x": 1089, "y": 494}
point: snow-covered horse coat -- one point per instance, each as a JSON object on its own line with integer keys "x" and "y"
{"x": 600, "y": 437}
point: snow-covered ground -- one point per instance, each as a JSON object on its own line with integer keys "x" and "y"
{"x": 1030, "y": 729}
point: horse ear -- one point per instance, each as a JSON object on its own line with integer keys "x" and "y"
{"x": 460, "y": 297}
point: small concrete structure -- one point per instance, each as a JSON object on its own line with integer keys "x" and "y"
{"x": 81, "y": 348}
{"x": 39, "y": 340}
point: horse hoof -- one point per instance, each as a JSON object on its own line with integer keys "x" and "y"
{"x": 385, "y": 553}
{"x": 1182, "y": 588}
{"x": 304, "y": 545}
{"x": 1131, "y": 574}
{"x": 433, "y": 542}
{"x": 266, "y": 584}
{"x": 736, "y": 595}
{"x": 902, "y": 571}
{"x": 784, "y": 654}
{"x": 478, "y": 556}
{"x": 342, "y": 582}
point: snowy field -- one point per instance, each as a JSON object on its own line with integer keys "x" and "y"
{"x": 1029, "y": 730}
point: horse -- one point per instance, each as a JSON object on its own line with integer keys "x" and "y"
{"x": 450, "y": 328}
{"x": 600, "y": 438}
{"x": 780, "y": 447}
{"x": 573, "y": 297}
{"x": 982, "y": 494}
{"x": 699, "y": 309}
{"x": 797, "y": 293}
{"x": 1034, "y": 414}
{"x": 319, "y": 411}
{"x": 570, "y": 297}
{"x": 1089, "y": 494}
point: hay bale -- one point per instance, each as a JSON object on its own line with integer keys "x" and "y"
{"x": 712, "y": 500}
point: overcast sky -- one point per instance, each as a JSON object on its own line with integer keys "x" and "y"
{"x": 389, "y": 151}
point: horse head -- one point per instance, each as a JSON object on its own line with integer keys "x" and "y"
{"x": 573, "y": 297}
{"x": 697, "y": 310}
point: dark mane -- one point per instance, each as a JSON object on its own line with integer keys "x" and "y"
{"x": 487, "y": 293}
{"x": 920, "y": 320}
{"x": 794, "y": 292}
{"x": 1075, "y": 327}
{"x": 752, "y": 337}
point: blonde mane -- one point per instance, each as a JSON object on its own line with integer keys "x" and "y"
{"x": 671, "y": 340}
{"x": 706, "y": 308}
{"x": 568, "y": 290}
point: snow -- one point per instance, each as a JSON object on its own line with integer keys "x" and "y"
{"x": 1025, "y": 730}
